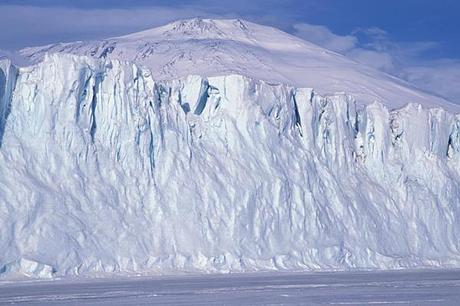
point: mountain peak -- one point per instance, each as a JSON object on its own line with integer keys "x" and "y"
{"x": 194, "y": 25}
{"x": 198, "y": 28}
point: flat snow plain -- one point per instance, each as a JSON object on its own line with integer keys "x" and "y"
{"x": 426, "y": 287}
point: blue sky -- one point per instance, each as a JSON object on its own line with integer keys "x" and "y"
{"x": 418, "y": 40}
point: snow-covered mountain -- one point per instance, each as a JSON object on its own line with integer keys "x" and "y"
{"x": 219, "y": 47}
{"x": 127, "y": 161}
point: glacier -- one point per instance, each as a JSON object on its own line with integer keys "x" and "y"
{"x": 105, "y": 169}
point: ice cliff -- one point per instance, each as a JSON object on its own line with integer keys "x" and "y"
{"x": 104, "y": 169}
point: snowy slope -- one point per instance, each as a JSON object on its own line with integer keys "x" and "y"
{"x": 209, "y": 47}
{"x": 105, "y": 168}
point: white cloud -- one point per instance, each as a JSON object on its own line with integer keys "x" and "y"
{"x": 440, "y": 76}
{"x": 322, "y": 36}
{"x": 379, "y": 60}
{"x": 42, "y": 25}
{"x": 371, "y": 52}
{"x": 374, "y": 47}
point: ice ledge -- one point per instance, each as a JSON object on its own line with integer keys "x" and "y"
{"x": 102, "y": 92}
{"x": 104, "y": 64}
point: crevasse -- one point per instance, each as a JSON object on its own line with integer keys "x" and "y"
{"x": 103, "y": 169}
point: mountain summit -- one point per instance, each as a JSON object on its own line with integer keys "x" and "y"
{"x": 211, "y": 47}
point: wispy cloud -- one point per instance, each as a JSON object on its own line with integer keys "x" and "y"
{"x": 374, "y": 47}
{"x": 439, "y": 76}
{"x": 29, "y": 23}
{"x": 321, "y": 35}
{"x": 32, "y": 25}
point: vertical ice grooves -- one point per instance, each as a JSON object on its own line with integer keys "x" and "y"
{"x": 93, "y": 124}
{"x": 203, "y": 97}
{"x": 82, "y": 95}
{"x": 3, "y": 104}
{"x": 8, "y": 76}
{"x": 297, "y": 121}
{"x": 453, "y": 145}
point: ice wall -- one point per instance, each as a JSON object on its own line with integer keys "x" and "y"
{"x": 105, "y": 170}
{"x": 8, "y": 74}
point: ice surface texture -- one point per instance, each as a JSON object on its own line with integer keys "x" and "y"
{"x": 104, "y": 168}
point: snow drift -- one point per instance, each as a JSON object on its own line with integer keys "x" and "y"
{"x": 105, "y": 169}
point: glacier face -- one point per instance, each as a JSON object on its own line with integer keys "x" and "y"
{"x": 104, "y": 169}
